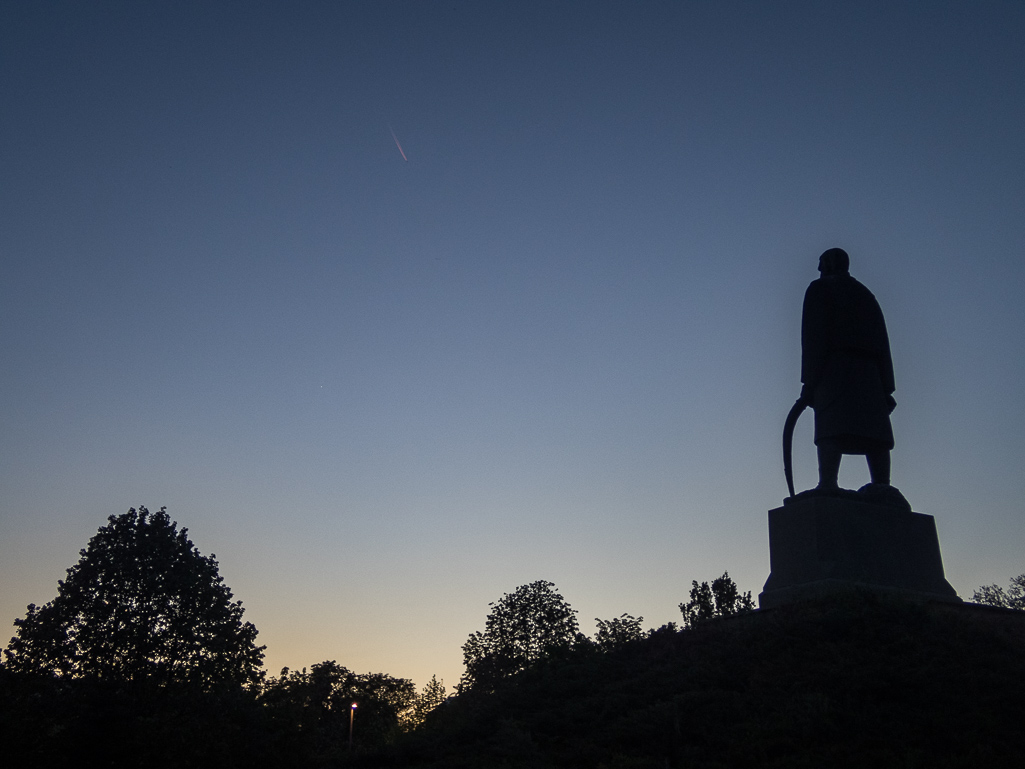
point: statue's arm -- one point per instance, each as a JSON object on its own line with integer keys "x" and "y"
{"x": 814, "y": 338}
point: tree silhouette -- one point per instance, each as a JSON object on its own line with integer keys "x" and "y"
{"x": 316, "y": 705}
{"x": 994, "y": 595}
{"x": 617, "y": 632}
{"x": 721, "y": 599}
{"x": 524, "y": 626}
{"x": 430, "y": 697}
{"x": 142, "y": 605}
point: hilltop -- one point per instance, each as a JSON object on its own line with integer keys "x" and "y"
{"x": 859, "y": 680}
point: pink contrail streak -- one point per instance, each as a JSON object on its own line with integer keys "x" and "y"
{"x": 396, "y": 138}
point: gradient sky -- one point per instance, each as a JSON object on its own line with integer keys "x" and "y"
{"x": 558, "y": 342}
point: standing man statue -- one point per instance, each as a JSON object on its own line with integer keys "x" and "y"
{"x": 847, "y": 373}
{"x": 828, "y": 540}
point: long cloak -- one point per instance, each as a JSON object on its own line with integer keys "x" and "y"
{"x": 846, "y": 364}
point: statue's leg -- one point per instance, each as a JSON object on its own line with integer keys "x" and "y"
{"x": 829, "y": 464}
{"x": 879, "y": 466}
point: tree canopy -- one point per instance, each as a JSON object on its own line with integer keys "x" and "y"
{"x": 527, "y": 625}
{"x": 720, "y": 599}
{"x": 424, "y": 703}
{"x": 317, "y": 705}
{"x": 994, "y": 595}
{"x": 142, "y": 604}
{"x": 617, "y": 632}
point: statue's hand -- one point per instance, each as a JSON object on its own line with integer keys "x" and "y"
{"x": 805, "y": 396}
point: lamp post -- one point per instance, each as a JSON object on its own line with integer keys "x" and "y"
{"x": 352, "y": 713}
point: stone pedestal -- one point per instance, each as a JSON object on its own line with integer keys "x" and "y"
{"x": 820, "y": 544}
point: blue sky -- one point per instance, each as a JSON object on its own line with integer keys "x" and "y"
{"x": 558, "y": 342}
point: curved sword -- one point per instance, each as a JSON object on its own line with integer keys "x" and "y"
{"x": 788, "y": 442}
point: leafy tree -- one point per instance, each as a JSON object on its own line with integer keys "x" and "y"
{"x": 432, "y": 695}
{"x": 617, "y": 632}
{"x": 527, "y": 625}
{"x": 142, "y": 605}
{"x": 721, "y": 599}
{"x": 994, "y": 595}
{"x": 316, "y": 705}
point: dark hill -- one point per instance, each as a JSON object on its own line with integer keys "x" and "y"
{"x": 862, "y": 680}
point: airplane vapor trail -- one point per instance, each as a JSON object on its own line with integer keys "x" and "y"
{"x": 396, "y": 138}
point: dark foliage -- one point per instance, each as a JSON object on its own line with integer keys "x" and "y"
{"x": 46, "y": 721}
{"x": 994, "y": 595}
{"x": 312, "y": 710}
{"x": 142, "y": 659}
{"x": 142, "y": 605}
{"x": 429, "y": 698}
{"x": 721, "y": 599}
{"x": 614, "y": 633}
{"x": 858, "y": 680}
{"x": 300, "y": 720}
{"x": 530, "y": 624}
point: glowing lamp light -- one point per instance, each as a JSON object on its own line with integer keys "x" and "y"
{"x": 352, "y": 712}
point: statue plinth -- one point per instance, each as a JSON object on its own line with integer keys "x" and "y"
{"x": 823, "y": 544}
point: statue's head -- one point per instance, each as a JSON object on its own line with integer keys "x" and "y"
{"x": 834, "y": 262}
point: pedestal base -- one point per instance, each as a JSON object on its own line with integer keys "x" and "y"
{"x": 824, "y": 544}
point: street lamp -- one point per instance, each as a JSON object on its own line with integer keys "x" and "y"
{"x": 352, "y": 713}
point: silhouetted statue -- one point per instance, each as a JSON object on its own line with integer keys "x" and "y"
{"x": 847, "y": 372}
{"x": 828, "y": 540}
